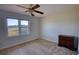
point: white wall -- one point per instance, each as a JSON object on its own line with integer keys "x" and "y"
{"x": 59, "y": 23}
{"x": 7, "y": 42}
{"x": 78, "y": 31}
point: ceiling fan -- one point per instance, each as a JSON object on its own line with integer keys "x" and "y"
{"x": 32, "y": 8}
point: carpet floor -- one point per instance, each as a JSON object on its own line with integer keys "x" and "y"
{"x": 38, "y": 47}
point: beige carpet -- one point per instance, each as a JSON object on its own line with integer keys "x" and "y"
{"x": 38, "y": 47}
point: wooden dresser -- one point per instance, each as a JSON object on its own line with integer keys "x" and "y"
{"x": 67, "y": 41}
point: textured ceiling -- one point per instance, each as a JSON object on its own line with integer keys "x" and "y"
{"x": 46, "y": 8}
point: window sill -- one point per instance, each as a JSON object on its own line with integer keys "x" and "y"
{"x": 19, "y": 36}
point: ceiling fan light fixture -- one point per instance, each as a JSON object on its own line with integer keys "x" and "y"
{"x": 32, "y": 8}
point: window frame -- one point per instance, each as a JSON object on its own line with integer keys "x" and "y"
{"x": 19, "y": 27}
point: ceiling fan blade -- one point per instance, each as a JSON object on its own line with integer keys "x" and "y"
{"x": 32, "y": 14}
{"x": 38, "y": 11}
{"x": 36, "y": 6}
{"x": 26, "y": 11}
{"x": 21, "y": 6}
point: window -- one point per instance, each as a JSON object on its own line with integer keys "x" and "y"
{"x": 24, "y": 27}
{"x": 17, "y": 27}
{"x": 13, "y": 29}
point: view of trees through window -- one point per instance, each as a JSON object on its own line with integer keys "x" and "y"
{"x": 17, "y": 27}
